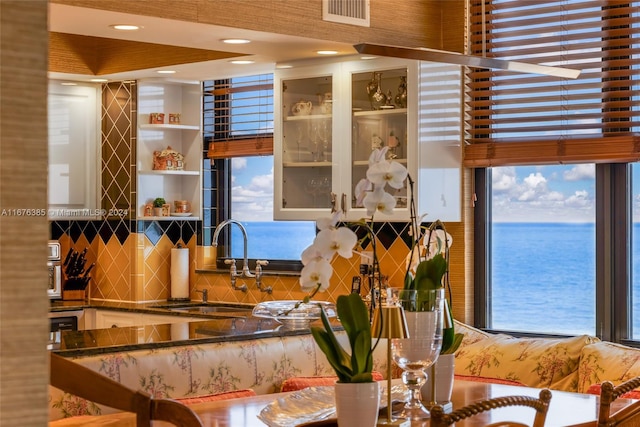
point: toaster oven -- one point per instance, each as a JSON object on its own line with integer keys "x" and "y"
{"x": 55, "y": 271}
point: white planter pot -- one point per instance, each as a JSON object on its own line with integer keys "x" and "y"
{"x": 444, "y": 372}
{"x": 357, "y": 404}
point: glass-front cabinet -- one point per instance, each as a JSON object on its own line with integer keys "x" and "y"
{"x": 329, "y": 118}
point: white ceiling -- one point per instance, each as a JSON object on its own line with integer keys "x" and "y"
{"x": 266, "y": 49}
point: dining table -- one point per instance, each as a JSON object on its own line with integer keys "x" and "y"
{"x": 565, "y": 409}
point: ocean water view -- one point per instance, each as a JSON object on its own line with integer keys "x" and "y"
{"x": 544, "y": 277}
{"x": 543, "y": 273}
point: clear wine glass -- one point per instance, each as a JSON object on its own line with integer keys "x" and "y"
{"x": 424, "y": 314}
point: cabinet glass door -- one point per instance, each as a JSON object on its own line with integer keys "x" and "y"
{"x": 307, "y": 131}
{"x": 379, "y": 119}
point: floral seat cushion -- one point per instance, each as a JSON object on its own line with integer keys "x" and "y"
{"x": 536, "y": 362}
{"x": 606, "y": 361}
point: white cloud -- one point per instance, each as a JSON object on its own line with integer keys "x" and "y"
{"x": 503, "y": 179}
{"x": 548, "y": 194}
{"x": 580, "y": 172}
{"x": 238, "y": 163}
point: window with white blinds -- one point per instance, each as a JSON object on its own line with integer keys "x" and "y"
{"x": 516, "y": 118}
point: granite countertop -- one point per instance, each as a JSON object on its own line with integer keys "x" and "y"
{"x": 229, "y": 325}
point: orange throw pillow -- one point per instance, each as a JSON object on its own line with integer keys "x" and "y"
{"x": 298, "y": 383}
{"x": 234, "y": 394}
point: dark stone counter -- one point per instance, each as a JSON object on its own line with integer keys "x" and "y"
{"x": 229, "y": 325}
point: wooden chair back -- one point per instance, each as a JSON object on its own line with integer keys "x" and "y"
{"x": 540, "y": 404}
{"x": 629, "y": 415}
{"x": 87, "y": 384}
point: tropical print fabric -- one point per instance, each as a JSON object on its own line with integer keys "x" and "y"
{"x": 200, "y": 371}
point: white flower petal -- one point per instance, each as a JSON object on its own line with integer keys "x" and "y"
{"x": 379, "y": 200}
{"x": 316, "y": 273}
{"x": 377, "y": 172}
{"x": 362, "y": 188}
{"x": 345, "y": 240}
{"x": 437, "y": 242}
{"x": 311, "y": 253}
{"x": 396, "y": 175}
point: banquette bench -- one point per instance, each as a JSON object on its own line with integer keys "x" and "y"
{"x": 194, "y": 373}
{"x": 201, "y": 371}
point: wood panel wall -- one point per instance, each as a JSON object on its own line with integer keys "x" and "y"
{"x": 24, "y": 373}
{"x": 437, "y": 24}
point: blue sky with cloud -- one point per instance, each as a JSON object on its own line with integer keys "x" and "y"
{"x": 556, "y": 193}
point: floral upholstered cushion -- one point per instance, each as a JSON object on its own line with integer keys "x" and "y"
{"x": 471, "y": 334}
{"x": 535, "y": 362}
{"x": 606, "y": 361}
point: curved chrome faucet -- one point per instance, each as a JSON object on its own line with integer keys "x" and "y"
{"x": 245, "y": 266}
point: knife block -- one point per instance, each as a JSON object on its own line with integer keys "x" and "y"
{"x": 73, "y": 295}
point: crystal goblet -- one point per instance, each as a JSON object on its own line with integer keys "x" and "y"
{"x": 424, "y": 314}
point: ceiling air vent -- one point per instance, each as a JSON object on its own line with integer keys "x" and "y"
{"x": 354, "y": 12}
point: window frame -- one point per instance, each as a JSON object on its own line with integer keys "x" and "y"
{"x": 613, "y": 228}
{"x": 613, "y": 148}
{"x": 219, "y": 152}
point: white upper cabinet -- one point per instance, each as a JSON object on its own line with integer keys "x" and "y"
{"x": 440, "y": 137}
{"x": 169, "y": 156}
{"x": 328, "y": 119}
{"x": 74, "y": 150}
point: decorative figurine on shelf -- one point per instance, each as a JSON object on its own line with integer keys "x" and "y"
{"x": 393, "y": 143}
{"x": 148, "y": 209}
{"x": 326, "y": 102}
{"x": 174, "y": 118}
{"x": 168, "y": 159}
{"x": 401, "y": 97}
{"x": 377, "y": 98}
{"x": 156, "y": 118}
{"x": 166, "y": 209}
{"x": 376, "y": 142}
{"x": 158, "y": 203}
{"x": 302, "y": 108}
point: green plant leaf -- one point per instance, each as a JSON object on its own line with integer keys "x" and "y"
{"x": 334, "y": 355}
{"x": 354, "y": 317}
{"x": 429, "y": 273}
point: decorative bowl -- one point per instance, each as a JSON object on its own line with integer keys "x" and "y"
{"x": 293, "y": 317}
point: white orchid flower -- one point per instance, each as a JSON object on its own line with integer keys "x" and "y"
{"x": 311, "y": 253}
{"x": 362, "y": 188}
{"x": 316, "y": 273}
{"x": 385, "y": 172}
{"x": 379, "y": 200}
{"x": 436, "y": 244}
{"x": 340, "y": 240}
{"x": 325, "y": 223}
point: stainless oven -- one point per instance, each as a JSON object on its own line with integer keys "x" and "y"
{"x": 55, "y": 271}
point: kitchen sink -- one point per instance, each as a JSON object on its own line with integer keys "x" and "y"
{"x": 206, "y": 309}
{"x": 210, "y": 308}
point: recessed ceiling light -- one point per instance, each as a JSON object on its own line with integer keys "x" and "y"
{"x": 368, "y": 57}
{"x": 165, "y": 72}
{"x": 326, "y": 52}
{"x": 69, "y": 84}
{"x": 242, "y": 61}
{"x": 99, "y": 80}
{"x": 283, "y": 66}
{"x": 125, "y": 27}
{"x": 236, "y": 41}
